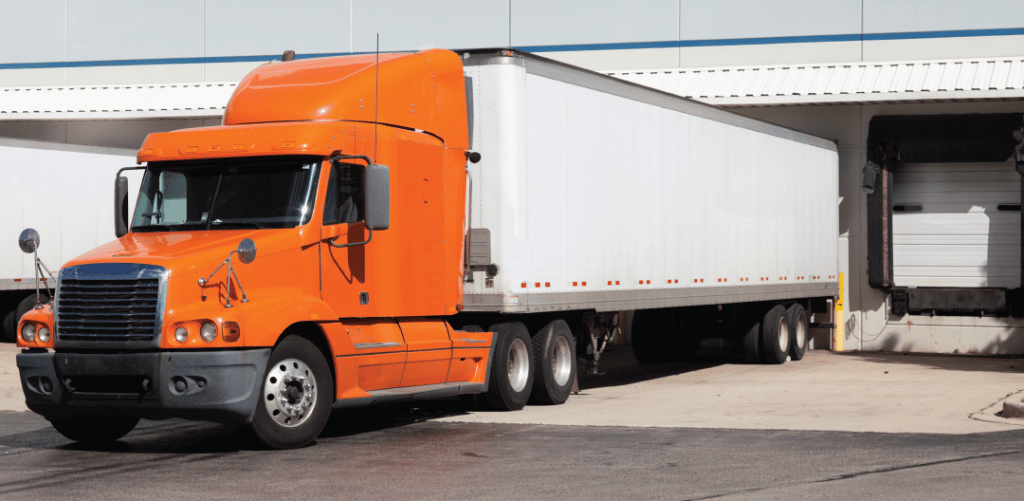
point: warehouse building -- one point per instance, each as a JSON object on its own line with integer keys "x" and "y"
{"x": 922, "y": 98}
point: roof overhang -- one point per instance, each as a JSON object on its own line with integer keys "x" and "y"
{"x": 988, "y": 79}
{"x": 116, "y": 102}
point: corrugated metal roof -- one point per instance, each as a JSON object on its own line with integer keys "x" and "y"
{"x": 989, "y": 79}
{"x": 81, "y": 102}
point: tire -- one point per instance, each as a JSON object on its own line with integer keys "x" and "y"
{"x": 775, "y": 336}
{"x": 95, "y": 430}
{"x": 511, "y": 377}
{"x": 752, "y": 344}
{"x": 554, "y": 363}
{"x": 297, "y": 391}
{"x": 796, "y": 316}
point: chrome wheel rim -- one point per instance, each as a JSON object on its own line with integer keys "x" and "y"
{"x": 518, "y": 365}
{"x": 561, "y": 362}
{"x": 289, "y": 392}
{"x": 800, "y": 332}
{"x": 783, "y": 335}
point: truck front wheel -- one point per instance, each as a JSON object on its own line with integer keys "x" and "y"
{"x": 511, "y": 377}
{"x": 95, "y": 430}
{"x": 297, "y": 392}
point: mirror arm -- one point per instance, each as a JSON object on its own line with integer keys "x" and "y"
{"x": 353, "y": 244}
{"x": 338, "y": 156}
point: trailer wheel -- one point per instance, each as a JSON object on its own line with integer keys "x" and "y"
{"x": 511, "y": 377}
{"x": 554, "y": 357}
{"x": 297, "y": 392}
{"x": 796, "y": 316}
{"x": 752, "y": 344}
{"x": 95, "y": 429}
{"x": 775, "y": 335}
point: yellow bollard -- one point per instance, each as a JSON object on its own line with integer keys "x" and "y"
{"x": 837, "y": 331}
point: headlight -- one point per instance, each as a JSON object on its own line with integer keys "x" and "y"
{"x": 181, "y": 334}
{"x": 44, "y": 334}
{"x": 28, "y": 332}
{"x": 208, "y": 331}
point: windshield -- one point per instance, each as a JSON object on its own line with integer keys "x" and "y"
{"x": 268, "y": 192}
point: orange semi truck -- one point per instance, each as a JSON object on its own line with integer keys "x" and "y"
{"x": 433, "y": 224}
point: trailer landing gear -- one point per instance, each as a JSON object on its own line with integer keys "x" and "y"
{"x": 599, "y": 330}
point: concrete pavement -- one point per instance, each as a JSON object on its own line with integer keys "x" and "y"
{"x": 861, "y": 392}
{"x": 854, "y": 391}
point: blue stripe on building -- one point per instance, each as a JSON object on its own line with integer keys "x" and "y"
{"x": 723, "y": 42}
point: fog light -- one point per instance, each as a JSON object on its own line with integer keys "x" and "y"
{"x": 180, "y": 334}
{"x": 44, "y": 334}
{"x": 208, "y": 331}
{"x": 231, "y": 332}
{"x": 28, "y": 332}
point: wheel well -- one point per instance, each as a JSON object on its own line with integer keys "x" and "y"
{"x": 314, "y": 334}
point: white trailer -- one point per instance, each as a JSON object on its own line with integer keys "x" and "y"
{"x": 599, "y": 195}
{"x": 64, "y": 192}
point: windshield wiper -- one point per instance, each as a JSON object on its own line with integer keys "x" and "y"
{"x": 244, "y": 224}
{"x": 167, "y": 227}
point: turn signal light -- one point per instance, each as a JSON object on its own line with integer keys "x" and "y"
{"x": 231, "y": 332}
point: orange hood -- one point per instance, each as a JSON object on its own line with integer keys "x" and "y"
{"x": 182, "y": 253}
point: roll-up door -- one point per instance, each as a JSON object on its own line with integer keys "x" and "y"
{"x": 956, "y": 225}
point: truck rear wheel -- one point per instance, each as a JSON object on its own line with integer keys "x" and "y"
{"x": 511, "y": 377}
{"x": 796, "y": 316}
{"x": 775, "y": 335}
{"x": 297, "y": 392}
{"x": 554, "y": 357}
{"x": 95, "y": 430}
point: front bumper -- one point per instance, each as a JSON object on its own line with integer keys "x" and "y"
{"x": 220, "y": 386}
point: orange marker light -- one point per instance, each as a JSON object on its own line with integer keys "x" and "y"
{"x": 231, "y": 332}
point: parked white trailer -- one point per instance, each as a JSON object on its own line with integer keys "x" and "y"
{"x": 64, "y": 192}
{"x": 595, "y": 194}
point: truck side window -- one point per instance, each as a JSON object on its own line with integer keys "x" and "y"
{"x": 344, "y": 201}
{"x": 172, "y": 198}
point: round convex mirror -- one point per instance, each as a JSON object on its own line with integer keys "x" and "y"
{"x": 29, "y": 241}
{"x": 246, "y": 251}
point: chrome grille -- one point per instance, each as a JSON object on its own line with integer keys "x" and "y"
{"x": 108, "y": 309}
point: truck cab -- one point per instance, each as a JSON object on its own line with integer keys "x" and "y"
{"x": 304, "y": 255}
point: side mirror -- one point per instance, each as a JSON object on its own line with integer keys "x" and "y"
{"x": 121, "y": 206}
{"x": 378, "y": 197}
{"x": 28, "y": 240}
{"x": 246, "y": 251}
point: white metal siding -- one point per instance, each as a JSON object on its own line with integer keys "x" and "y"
{"x": 959, "y": 238}
{"x": 579, "y": 186}
{"x": 91, "y": 102}
{"x": 976, "y": 79}
{"x": 68, "y": 196}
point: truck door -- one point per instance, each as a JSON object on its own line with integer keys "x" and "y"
{"x": 343, "y": 269}
{"x": 380, "y": 349}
